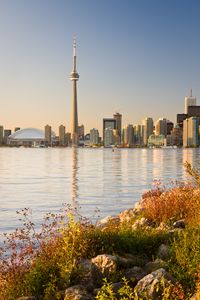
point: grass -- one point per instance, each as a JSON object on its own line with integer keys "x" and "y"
{"x": 43, "y": 264}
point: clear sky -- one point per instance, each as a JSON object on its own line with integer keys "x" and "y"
{"x": 138, "y": 57}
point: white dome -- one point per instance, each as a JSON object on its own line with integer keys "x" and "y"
{"x": 28, "y": 134}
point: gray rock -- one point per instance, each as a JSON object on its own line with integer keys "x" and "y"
{"x": 179, "y": 224}
{"x": 109, "y": 220}
{"x": 143, "y": 222}
{"x": 154, "y": 265}
{"x": 134, "y": 274}
{"x": 152, "y": 285}
{"x": 163, "y": 252}
{"x": 89, "y": 274}
{"x": 106, "y": 263}
{"x": 77, "y": 292}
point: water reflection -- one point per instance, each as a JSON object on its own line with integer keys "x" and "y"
{"x": 74, "y": 185}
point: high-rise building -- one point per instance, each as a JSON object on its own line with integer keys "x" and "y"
{"x": 147, "y": 129}
{"x": 118, "y": 117}
{"x": 176, "y": 136}
{"x": 108, "y": 137}
{"x": 1, "y": 135}
{"x": 191, "y": 132}
{"x": 128, "y": 135}
{"x": 180, "y": 118}
{"x": 137, "y": 135}
{"x": 68, "y": 139}
{"x": 108, "y": 123}
{"x": 81, "y": 132}
{"x": 170, "y": 126}
{"x": 161, "y": 127}
{"x": 74, "y": 76}
{"x": 94, "y": 136}
{"x": 48, "y": 135}
{"x": 62, "y": 141}
{"x": 189, "y": 101}
{"x": 194, "y": 111}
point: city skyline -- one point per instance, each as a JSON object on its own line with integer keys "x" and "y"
{"x": 138, "y": 59}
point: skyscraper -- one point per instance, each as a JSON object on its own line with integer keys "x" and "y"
{"x": 108, "y": 123}
{"x": 62, "y": 142}
{"x": 74, "y": 76}
{"x": 147, "y": 129}
{"x": 118, "y": 117}
{"x": 189, "y": 101}
{"x": 191, "y": 132}
{"x": 128, "y": 135}
{"x": 161, "y": 127}
{"x": 47, "y": 133}
{"x": 94, "y": 136}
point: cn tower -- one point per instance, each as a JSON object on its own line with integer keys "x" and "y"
{"x": 74, "y": 76}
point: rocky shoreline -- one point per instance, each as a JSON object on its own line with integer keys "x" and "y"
{"x": 143, "y": 275}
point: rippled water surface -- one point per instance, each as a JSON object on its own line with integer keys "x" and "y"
{"x": 44, "y": 179}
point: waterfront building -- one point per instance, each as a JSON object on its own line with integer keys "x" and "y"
{"x": 118, "y": 117}
{"x": 180, "y": 118}
{"x": 189, "y": 101}
{"x": 147, "y": 129}
{"x": 94, "y": 136}
{"x": 138, "y": 136}
{"x": 128, "y": 135}
{"x": 108, "y": 123}
{"x": 74, "y": 76}
{"x": 156, "y": 140}
{"x": 17, "y": 128}
{"x": 191, "y": 132}
{"x": 194, "y": 111}
{"x": 6, "y": 134}
{"x": 62, "y": 141}
{"x": 1, "y": 135}
{"x": 161, "y": 127}
{"x": 68, "y": 139}
{"x": 108, "y": 137}
{"x": 170, "y": 126}
{"x": 27, "y": 137}
{"x": 48, "y": 134}
{"x": 176, "y": 136}
{"x": 81, "y": 132}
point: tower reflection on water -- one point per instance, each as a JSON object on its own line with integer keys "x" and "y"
{"x": 74, "y": 189}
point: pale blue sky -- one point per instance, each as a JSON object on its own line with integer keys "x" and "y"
{"x": 138, "y": 57}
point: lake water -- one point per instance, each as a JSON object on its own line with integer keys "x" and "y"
{"x": 45, "y": 179}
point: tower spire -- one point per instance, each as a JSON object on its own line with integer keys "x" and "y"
{"x": 190, "y": 92}
{"x": 74, "y": 76}
{"x": 74, "y": 54}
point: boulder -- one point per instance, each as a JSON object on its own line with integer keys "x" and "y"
{"x": 133, "y": 275}
{"x": 152, "y": 285}
{"x": 141, "y": 223}
{"x": 109, "y": 220}
{"x": 89, "y": 275}
{"x": 154, "y": 265}
{"x": 163, "y": 252}
{"x": 106, "y": 263}
{"x": 77, "y": 292}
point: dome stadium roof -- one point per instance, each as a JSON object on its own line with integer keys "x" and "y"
{"x": 28, "y": 134}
